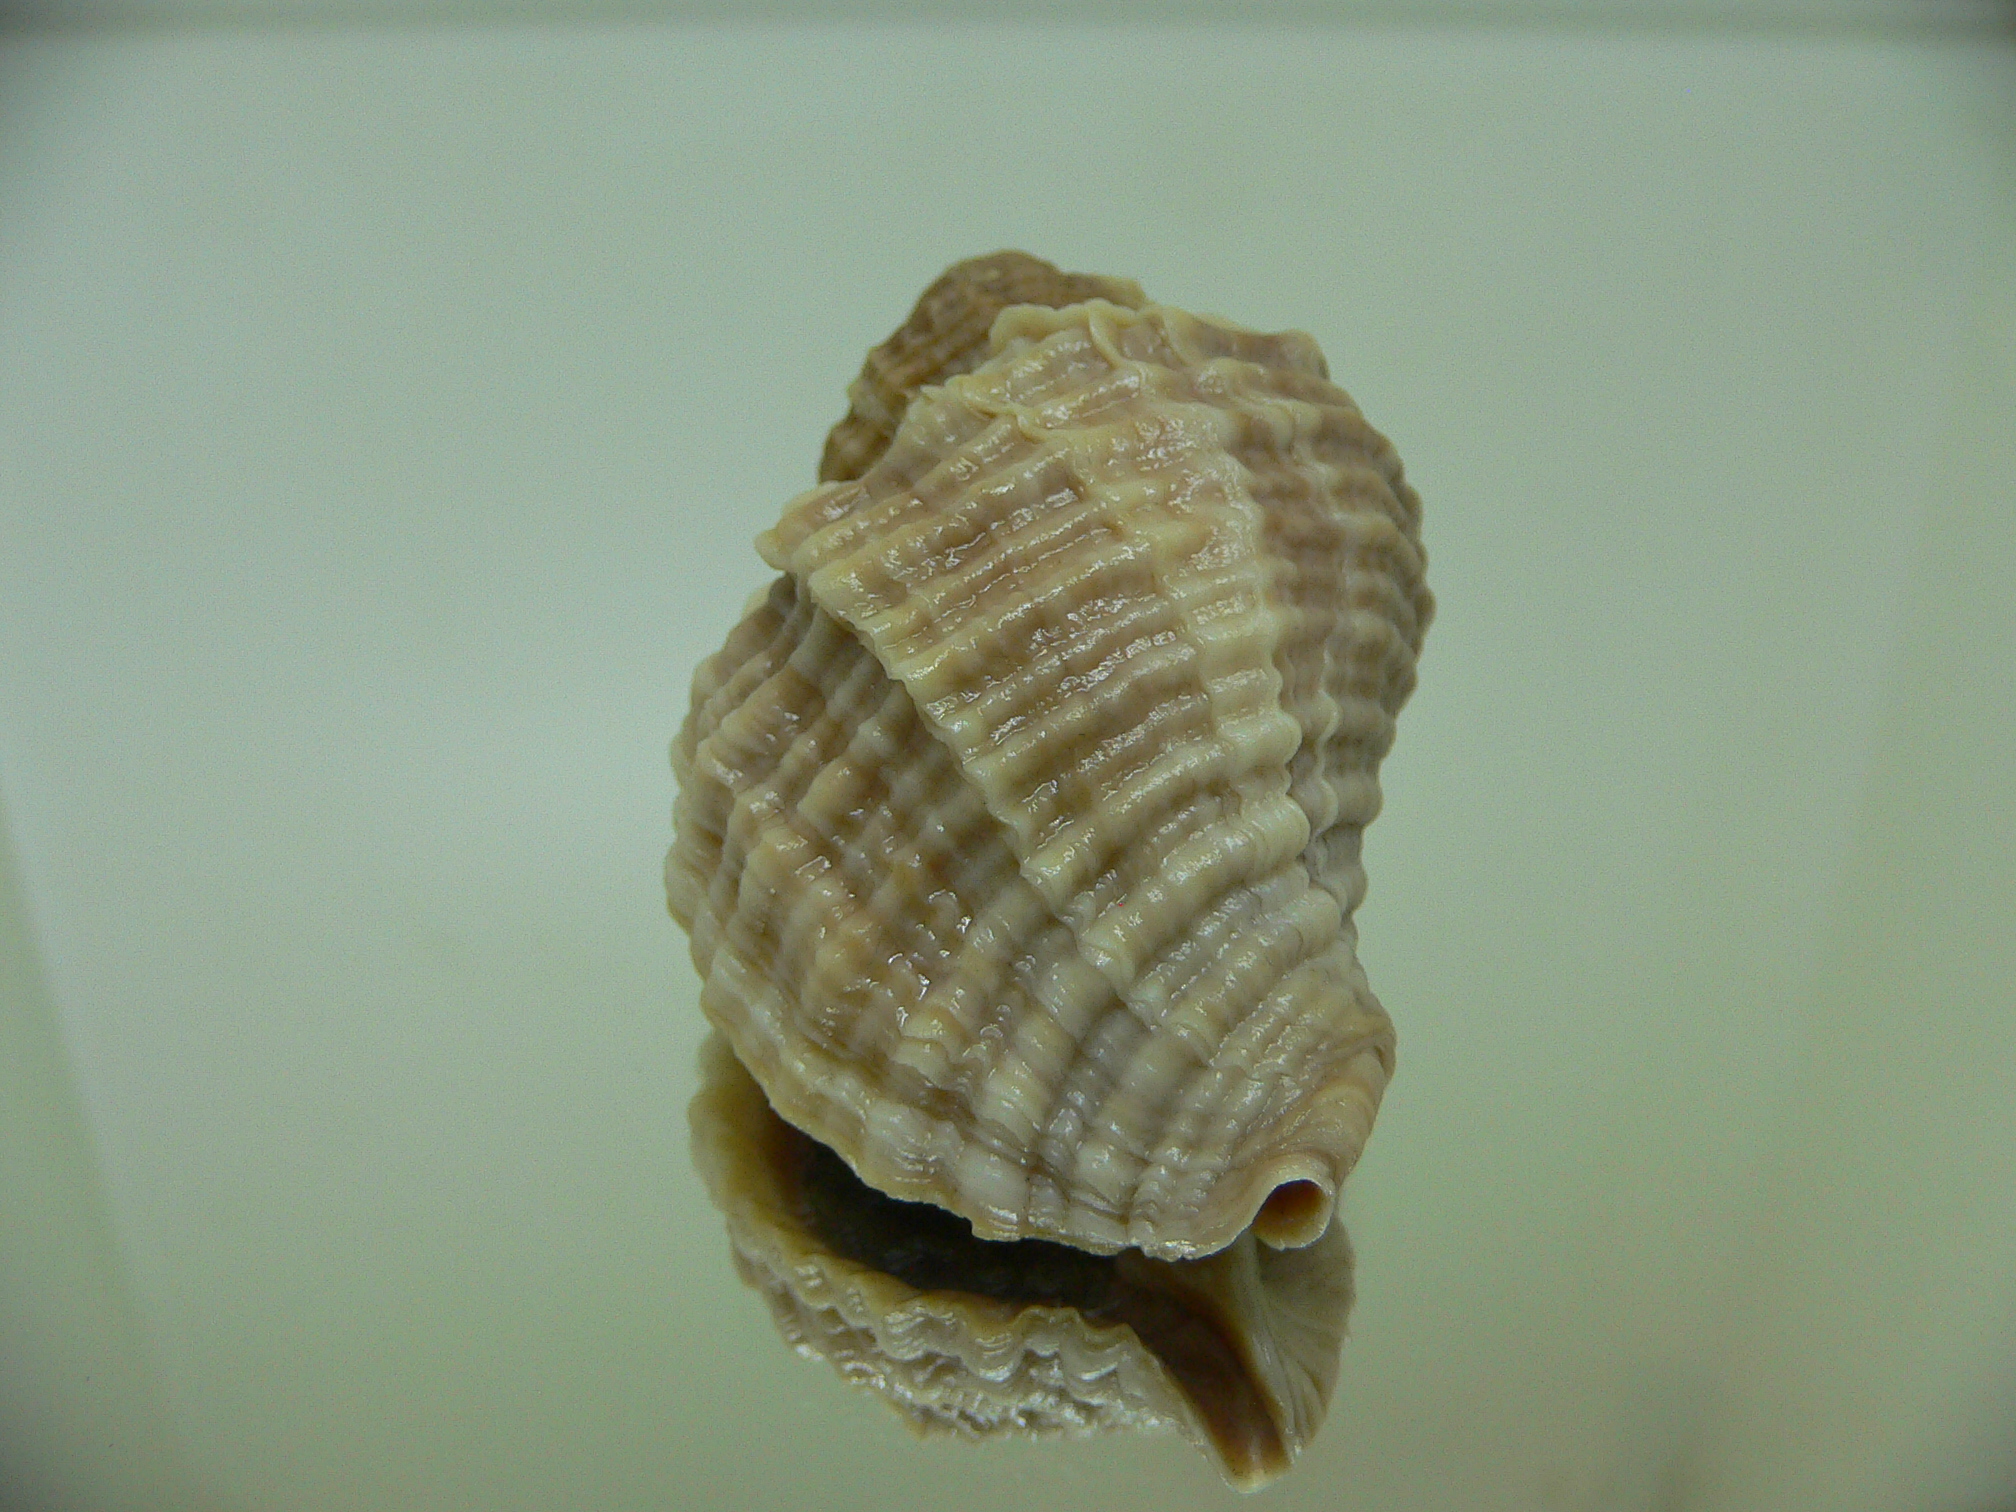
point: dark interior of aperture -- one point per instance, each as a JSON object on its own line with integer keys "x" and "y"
{"x": 937, "y": 1251}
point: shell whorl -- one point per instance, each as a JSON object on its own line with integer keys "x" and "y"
{"x": 946, "y": 334}
{"x": 1018, "y": 833}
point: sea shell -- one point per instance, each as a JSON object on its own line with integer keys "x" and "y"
{"x": 1237, "y": 1351}
{"x": 1019, "y": 822}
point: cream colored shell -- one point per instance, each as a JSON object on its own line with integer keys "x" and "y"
{"x": 947, "y": 334}
{"x": 1019, "y": 823}
{"x": 1238, "y": 1351}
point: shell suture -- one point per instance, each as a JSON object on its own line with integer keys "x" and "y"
{"x": 1019, "y": 823}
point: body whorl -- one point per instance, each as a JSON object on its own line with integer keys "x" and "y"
{"x": 1019, "y": 824}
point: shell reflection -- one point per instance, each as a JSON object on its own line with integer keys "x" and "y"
{"x": 1019, "y": 841}
{"x": 977, "y": 1338}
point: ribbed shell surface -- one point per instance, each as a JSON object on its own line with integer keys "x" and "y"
{"x": 947, "y": 334}
{"x": 1018, "y": 833}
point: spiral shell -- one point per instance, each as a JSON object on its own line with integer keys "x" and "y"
{"x": 1019, "y": 822}
{"x": 1238, "y": 1351}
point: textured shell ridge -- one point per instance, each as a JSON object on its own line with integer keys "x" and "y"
{"x": 1018, "y": 826}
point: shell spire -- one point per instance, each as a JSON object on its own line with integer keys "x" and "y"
{"x": 947, "y": 334}
{"x": 1019, "y": 825}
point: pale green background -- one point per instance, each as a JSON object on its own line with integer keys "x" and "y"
{"x": 384, "y": 416}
